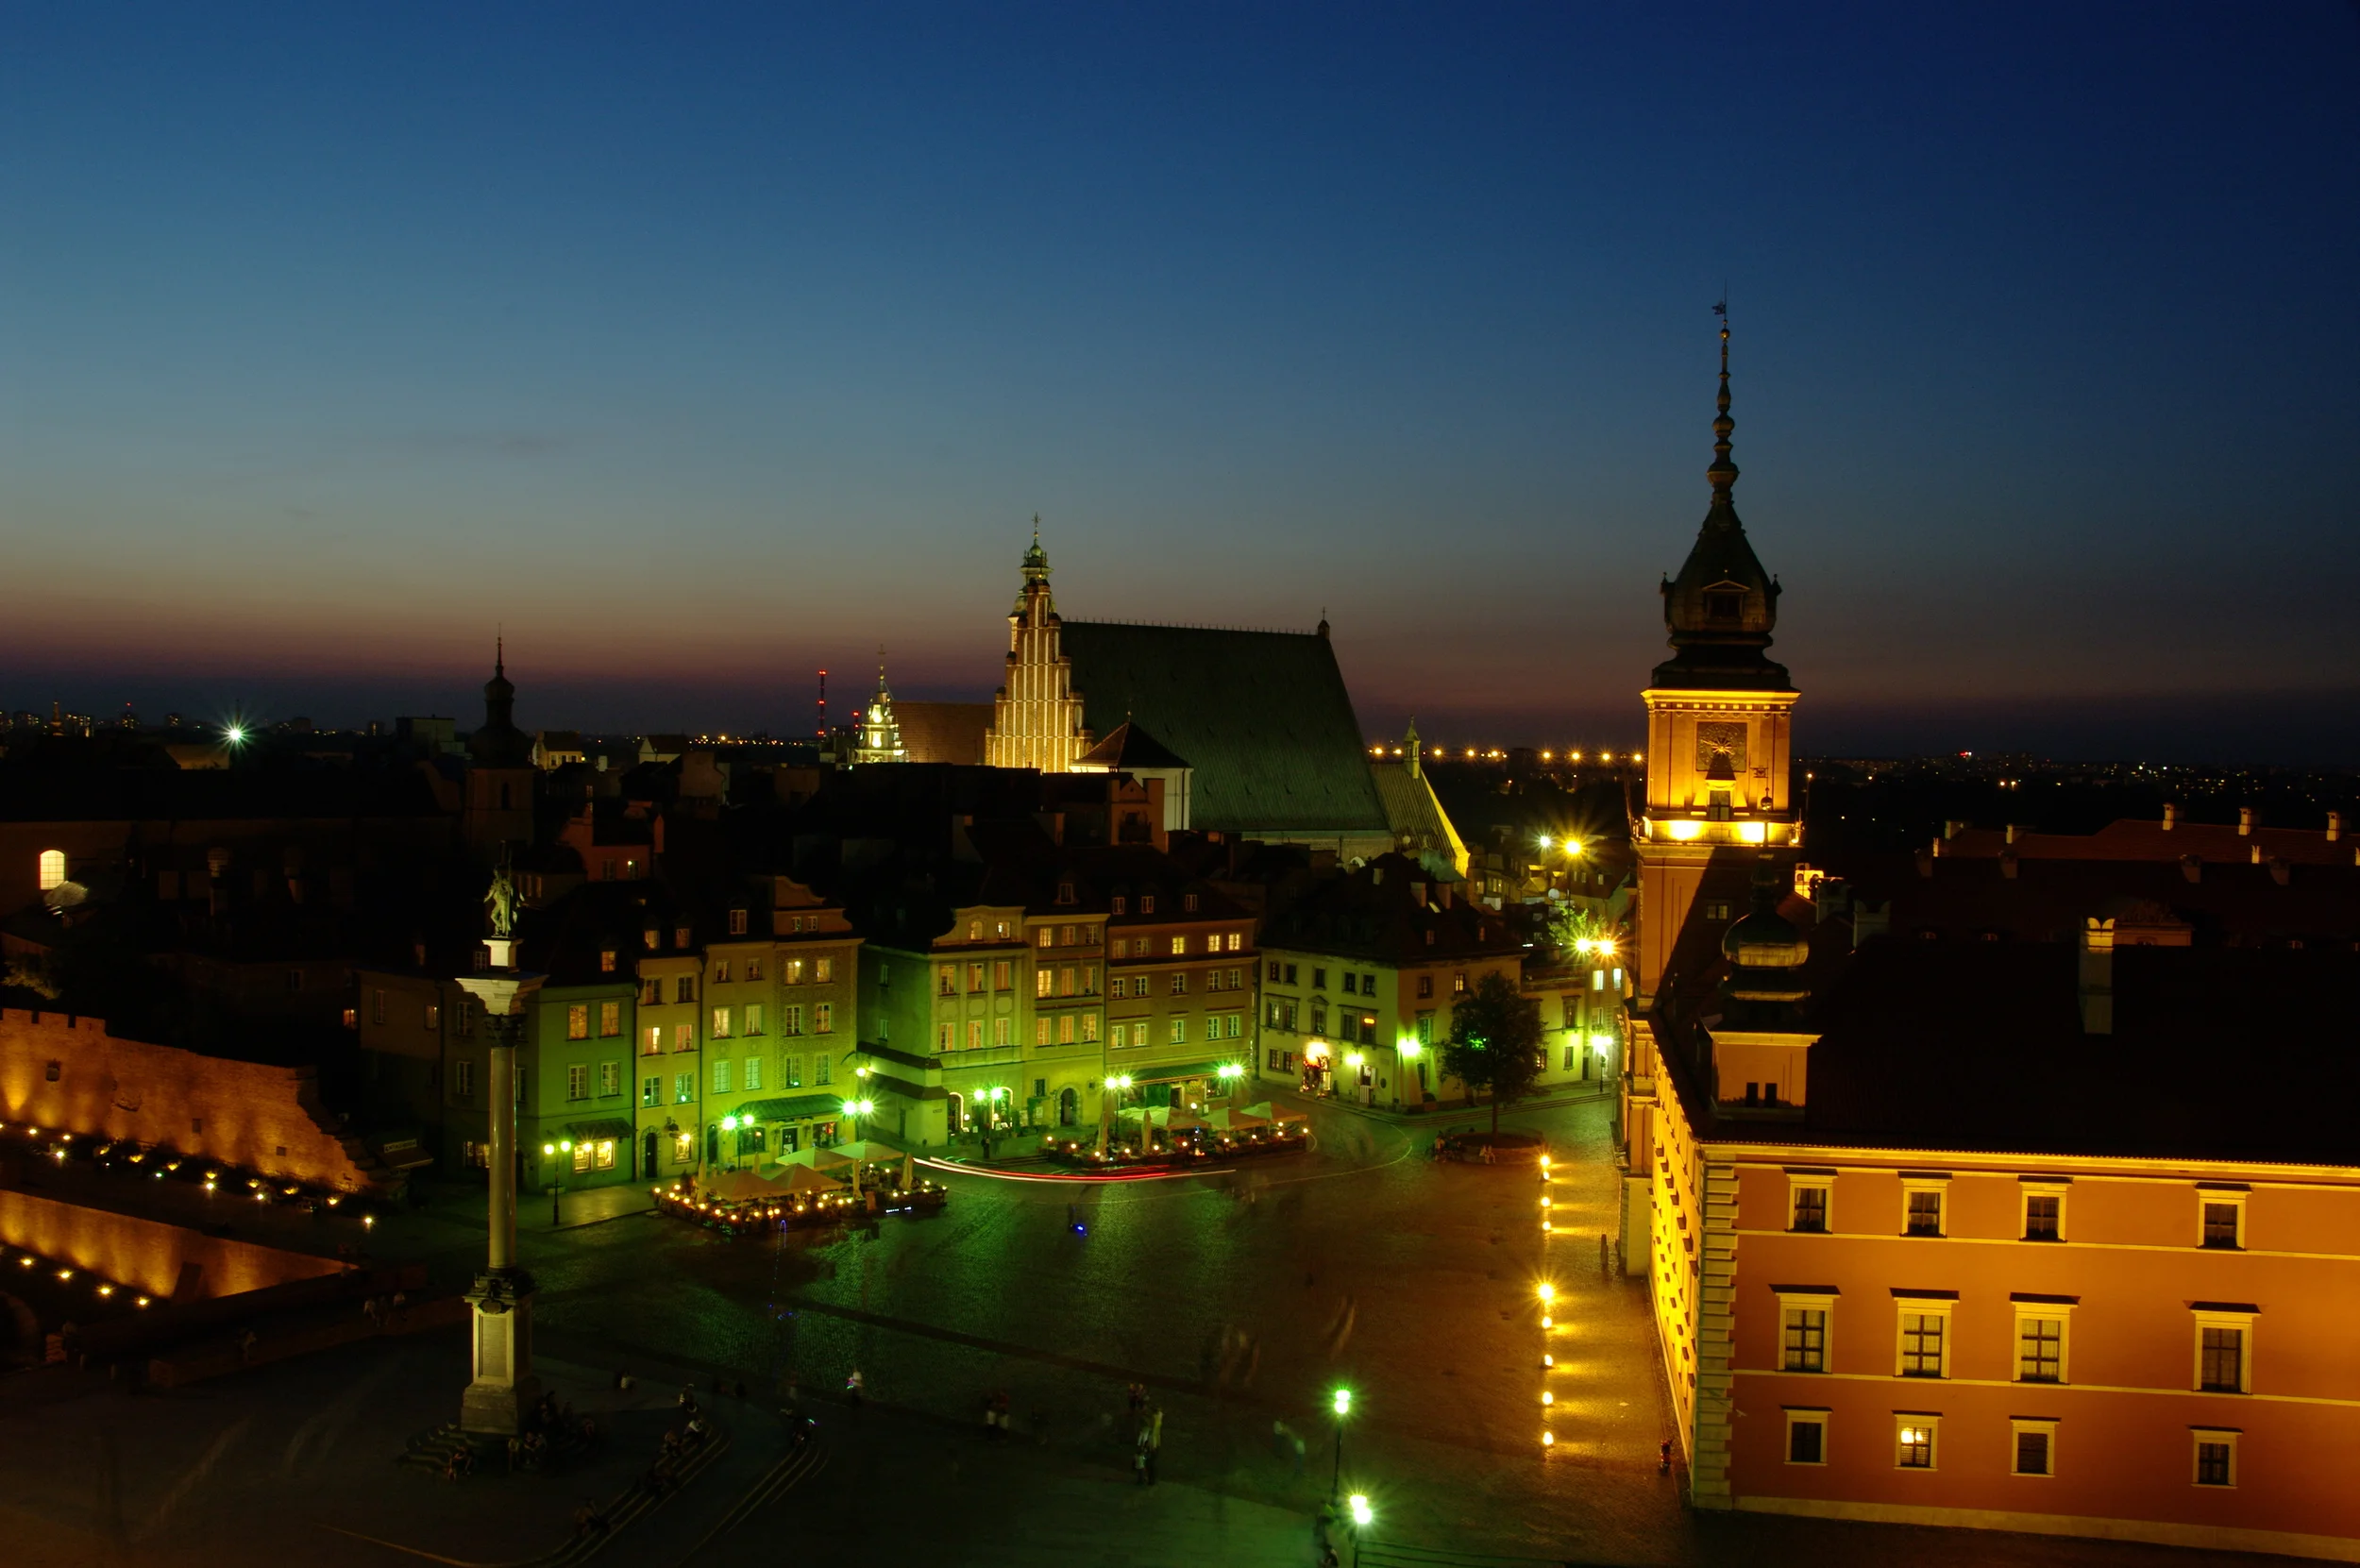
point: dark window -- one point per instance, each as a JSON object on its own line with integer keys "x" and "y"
{"x": 2220, "y": 1224}
{"x": 2032, "y": 1453}
{"x": 2040, "y": 1217}
{"x": 2211, "y": 1464}
{"x": 1725, "y": 606}
{"x": 1810, "y": 1208}
{"x": 1925, "y": 1213}
{"x": 1807, "y": 1442}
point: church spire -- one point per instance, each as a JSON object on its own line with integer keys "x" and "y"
{"x": 1722, "y": 607}
{"x": 1723, "y": 473}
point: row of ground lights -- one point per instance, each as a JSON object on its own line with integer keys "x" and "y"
{"x": 262, "y": 1187}
{"x": 1548, "y": 1303}
{"x": 66, "y": 1273}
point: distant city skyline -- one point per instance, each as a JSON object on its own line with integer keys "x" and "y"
{"x": 698, "y": 357}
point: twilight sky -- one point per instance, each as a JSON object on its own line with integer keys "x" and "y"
{"x": 698, "y": 347}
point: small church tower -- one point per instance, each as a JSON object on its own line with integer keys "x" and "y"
{"x": 880, "y": 732}
{"x": 500, "y": 775}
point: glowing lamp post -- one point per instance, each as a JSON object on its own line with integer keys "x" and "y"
{"x": 1110, "y": 1105}
{"x": 551, "y": 1151}
{"x": 1230, "y": 1073}
{"x": 1342, "y": 1406}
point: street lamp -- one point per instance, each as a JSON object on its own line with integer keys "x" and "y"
{"x": 557, "y": 1179}
{"x": 1361, "y": 1513}
{"x": 1342, "y": 1406}
{"x": 1548, "y": 1295}
{"x": 1230, "y": 1073}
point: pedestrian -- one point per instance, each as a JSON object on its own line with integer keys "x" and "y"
{"x": 1155, "y": 1442}
{"x": 1138, "y": 1459}
{"x": 1664, "y": 1466}
{"x": 856, "y": 1388}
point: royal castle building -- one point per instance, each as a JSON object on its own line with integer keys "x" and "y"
{"x": 2008, "y": 1184}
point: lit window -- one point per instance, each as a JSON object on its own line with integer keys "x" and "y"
{"x": 720, "y": 1023}
{"x": 577, "y": 1022}
{"x": 610, "y": 1019}
{"x": 823, "y": 970}
{"x": 1237, "y": 941}
{"x": 754, "y": 1017}
{"x": 823, "y": 1020}
{"x": 1915, "y": 1443}
{"x": 1044, "y": 982}
{"x": 52, "y": 868}
{"x": 1045, "y": 937}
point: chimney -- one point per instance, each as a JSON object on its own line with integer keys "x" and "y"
{"x": 2245, "y": 822}
{"x": 1868, "y": 921}
{"x": 1954, "y": 827}
{"x": 2257, "y": 851}
{"x": 2095, "y": 990}
{"x": 2172, "y": 815}
{"x": 2335, "y": 826}
{"x": 2011, "y": 831}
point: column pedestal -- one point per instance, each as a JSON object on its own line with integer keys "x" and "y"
{"x": 504, "y": 1388}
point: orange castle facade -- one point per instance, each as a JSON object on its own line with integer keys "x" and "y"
{"x": 2005, "y": 1227}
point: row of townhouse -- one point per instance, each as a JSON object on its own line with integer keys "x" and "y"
{"x": 1359, "y": 978}
{"x": 1053, "y": 988}
{"x": 668, "y": 1035}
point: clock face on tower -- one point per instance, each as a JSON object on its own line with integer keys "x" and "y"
{"x": 1720, "y": 750}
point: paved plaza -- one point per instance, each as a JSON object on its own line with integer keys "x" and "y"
{"x": 1238, "y": 1300}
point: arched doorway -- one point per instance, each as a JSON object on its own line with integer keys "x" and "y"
{"x": 648, "y": 1165}
{"x": 1068, "y": 1107}
{"x": 954, "y": 1114}
{"x": 713, "y": 1144}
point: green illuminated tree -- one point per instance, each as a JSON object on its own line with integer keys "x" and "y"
{"x": 1495, "y": 1042}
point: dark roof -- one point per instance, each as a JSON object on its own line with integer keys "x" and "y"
{"x": 1909, "y": 1031}
{"x": 2047, "y": 899}
{"x": 236, "y": 794}
{"x": 1262, "y": 717}
{"x": 1131, "y": 746}
{"x": 1376, "y": 912}
{"x": 943, "y": 731}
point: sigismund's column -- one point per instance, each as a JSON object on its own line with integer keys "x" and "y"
{"x": 504, "y": 1388}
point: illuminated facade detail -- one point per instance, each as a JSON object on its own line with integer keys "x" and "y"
{"x": 1036, "y": 715}
{"x": 880, "y": 733}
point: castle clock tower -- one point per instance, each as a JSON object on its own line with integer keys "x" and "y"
{"x": 1719, "y": 722}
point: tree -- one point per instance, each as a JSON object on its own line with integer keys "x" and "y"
{"x": 1495, "y": 1042}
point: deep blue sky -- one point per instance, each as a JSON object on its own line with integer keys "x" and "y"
{"x": 700, "y": 347}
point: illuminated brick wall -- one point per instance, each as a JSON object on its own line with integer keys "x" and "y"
{"x": 243, "y": 1113}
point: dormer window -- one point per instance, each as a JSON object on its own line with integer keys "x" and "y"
{"x": 1147, "y": 903}
{"x": 1065, "y": 892}
{"x": 1188, "y": 903}
{"x": 1725, "y": 606}
{"x": 1121, "y": 904}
